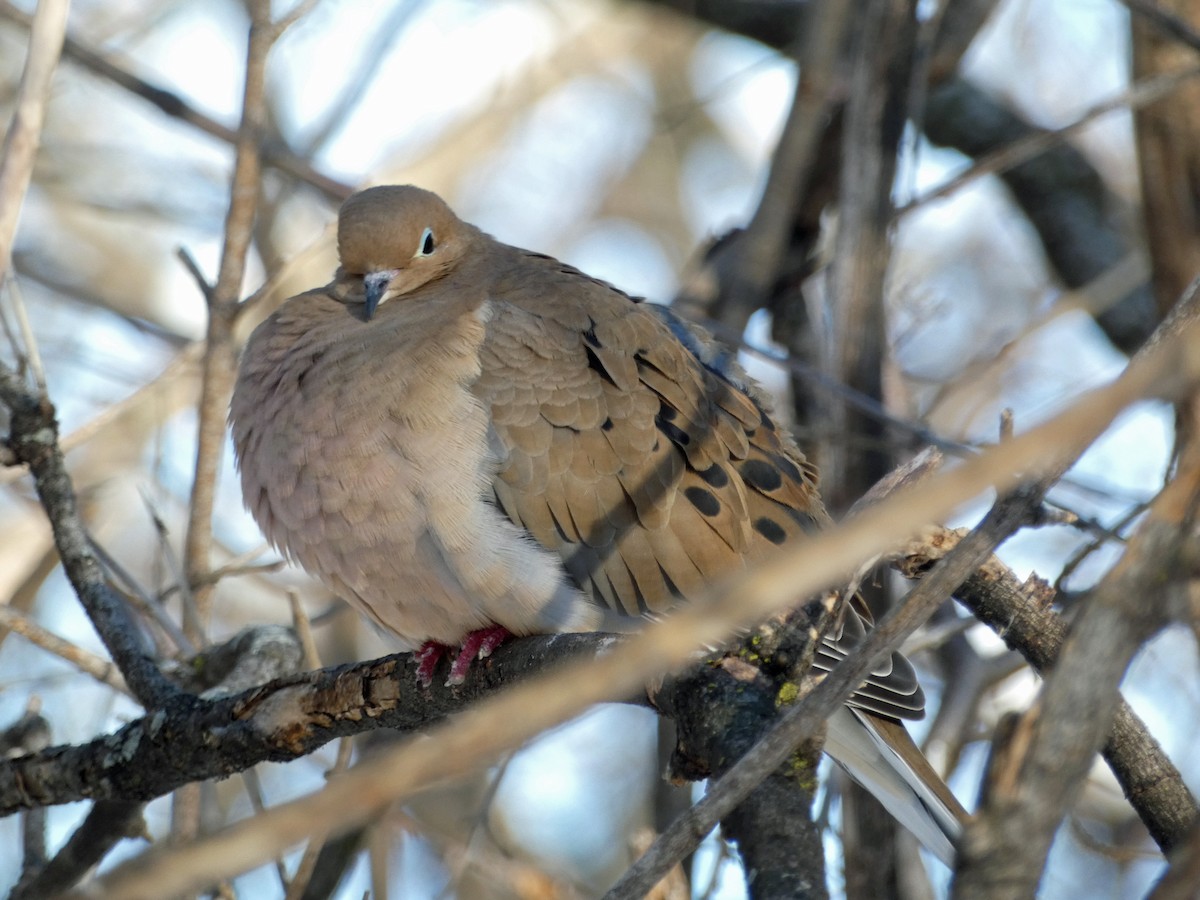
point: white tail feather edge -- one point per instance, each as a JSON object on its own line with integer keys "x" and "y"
{"x": 870, "y": 760}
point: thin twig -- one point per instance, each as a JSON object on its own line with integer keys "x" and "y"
{"x": 1003, "y": 850}
{"x": 1021, "y": 614}
{"x": 175, "y": 106}
{"x": 141, "y": 599}
{"x": 220, "y": 356}
{"x": 108, "y": 822}
{"x": 189, "y": 262}
{"x": 255, "y": 792}
{"x": 29, "y": 346}
{"x": 1165, "y": 21}
{"x": 29, "y": 735}
{"x": 34, "y": 438}
{"x": 192, "y": 622}
{"x": 303, "y": 629}
{"x": 803, "y": 721}
{"x": 89, "y": 663}
{"x": 1012, "y": 155}
{"x": 24, "y": 133}
{"x": 167, "y": 385}
{"x": 312, "y": 853}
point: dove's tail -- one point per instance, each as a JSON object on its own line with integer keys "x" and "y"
{"x": 879, "y": 755}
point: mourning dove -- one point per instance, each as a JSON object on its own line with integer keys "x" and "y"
{"x": 468, "y": 441}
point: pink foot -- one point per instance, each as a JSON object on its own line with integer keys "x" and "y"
{"x": 428, "y": 657}
{"x": 476, "y": 645}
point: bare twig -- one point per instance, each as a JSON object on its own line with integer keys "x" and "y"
{"x": 28, "y": 346}
{"x": 747, "y": 264}
{"x": 29, "y": 734}
{"x": 175, "y": 106}
{"x": 99, "y": 668}
{"x": 143, "y": 602}
{"x": 35, "y": 440}
{"x": 193, "y": 267}
{"x": 1017, "y": 152}
{"x": 1003, "y": 850}
{"x": 220, "y": 358}
{"x": 316, "y": 846}
{"x": 1020, "y": 613}
{"x": 164, "y": 392}
{"x": 255, "y": 792}
{"x": 1169, "y": 24}
{"x": 108, "y": 822}
{"x": 25, "y": 131}
{"x": 803, "y": 721}
{"x": 1180, "y": 880}
{"x": 375, "y": 47}
{"x": 302, "y": 625}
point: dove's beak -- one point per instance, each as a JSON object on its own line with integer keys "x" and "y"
{"x": 376, "y": 284}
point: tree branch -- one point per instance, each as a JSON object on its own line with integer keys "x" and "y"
{"x": 809, "y": 715}
{"x": 34, "y": 440}
{"x": 176, "y": 107}
{"x": 280, "y": 721}
{"x": 220, "y": 357}
{"x": 1004, "y": 848}
{"x": 1021, "y": 615}
{"x": 25, "y": 131}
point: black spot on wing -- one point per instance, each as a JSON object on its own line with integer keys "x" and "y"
{"x": 789, "y": 468}
{"x": 674, "y": 432}
{"x": 714, "y": 476}
{"x": 770, "y": 529}
{"x": 767, "y": 422}
{"x": 704, "y": 500}
{"x": 762, "y": 475}
{"x": 805, "y": 520}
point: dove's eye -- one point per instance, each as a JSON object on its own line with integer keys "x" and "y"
{"x": 426, "y": 246}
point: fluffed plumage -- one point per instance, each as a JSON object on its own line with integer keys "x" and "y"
{"x": 456, "y": 434}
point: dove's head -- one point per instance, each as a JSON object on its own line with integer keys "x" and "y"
{"x": 398, "y": 238}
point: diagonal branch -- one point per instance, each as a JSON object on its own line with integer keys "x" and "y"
{"x": 173, "y": 105}
{"x": 34, "y": 439}
{"x": 1004, "y": 849}
{"x": 220, "y": 358}
{"x": 1021, "y": 615}
{"x": 804, "y": 720}
{"x": 25, "y": 132}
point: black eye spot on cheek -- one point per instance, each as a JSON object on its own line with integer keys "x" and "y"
{"x": 770, "y": 529}
{"x": 427, "y": 244}
{"x": 705, "y": 501}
